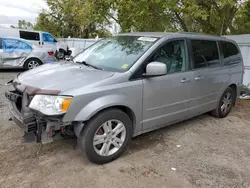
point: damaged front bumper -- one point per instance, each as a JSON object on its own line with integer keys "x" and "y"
{"x": 37, "y": 127}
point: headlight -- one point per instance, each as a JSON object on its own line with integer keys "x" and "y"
{"x": 50, "y": 105}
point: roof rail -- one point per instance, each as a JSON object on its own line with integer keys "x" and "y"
{"x": 194, "y": 33}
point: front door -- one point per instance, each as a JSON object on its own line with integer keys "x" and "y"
{"x": 209, "y": 76}
{"x": 167, "y": 98}
{"x": 49, "y": 41}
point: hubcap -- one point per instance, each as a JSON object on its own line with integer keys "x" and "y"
{"x": 109, "y": 137}
{"x": 226, "y": 103}
{"x": 33, "y": 64}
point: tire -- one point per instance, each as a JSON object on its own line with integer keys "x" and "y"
{"x": 221, "y": 112}
{"x": 32, "y": 63}
{"x": 96, "y": 128}
{"x": 60, "y": 54}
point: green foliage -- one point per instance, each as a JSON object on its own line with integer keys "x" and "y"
{"x": 22, "y": 24}
{"x": 88, "y": 18}
{"x": 70, "y": 18}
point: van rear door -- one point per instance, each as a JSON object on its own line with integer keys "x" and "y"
{"x": 33, "y": 37}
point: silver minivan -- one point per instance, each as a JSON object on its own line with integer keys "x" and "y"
{"x": 124, "y": 86}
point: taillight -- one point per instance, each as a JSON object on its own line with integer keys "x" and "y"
{"x": 51, "y": 53}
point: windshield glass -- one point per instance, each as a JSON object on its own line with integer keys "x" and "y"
{"x": 116, "y": 53}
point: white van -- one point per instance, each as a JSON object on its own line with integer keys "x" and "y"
{"x": 43, "y": 39}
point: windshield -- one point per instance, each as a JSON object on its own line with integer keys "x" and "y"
{"x": 116, "y": 53}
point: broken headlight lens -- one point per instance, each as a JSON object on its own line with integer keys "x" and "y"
{"x": 51, "y": 105}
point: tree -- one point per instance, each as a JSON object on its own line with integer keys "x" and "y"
{"x": 22, "y": 24}
{"x": 241, "y": 24}
{"x": 70, "y": 18}
{"x": 88, "y": 18}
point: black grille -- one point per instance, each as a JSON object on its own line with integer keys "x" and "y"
{"x": 31, "y": 127}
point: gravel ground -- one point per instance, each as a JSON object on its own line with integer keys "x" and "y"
{"x": 201, "y": 152}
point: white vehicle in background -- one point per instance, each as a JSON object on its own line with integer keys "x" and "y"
{"x": 40, "y": 38}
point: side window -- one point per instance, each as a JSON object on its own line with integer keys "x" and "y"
{"x": 173, "y": 54}
{"x": 1, "y": 46}
{"x": 29, "y": 35}
{"x": 24, "y": 46}
{"x": 205, "y": 54}
{"x": 229, "y": 49}
{"x": 48, "y": 38}
{"x": 11, "y": 45}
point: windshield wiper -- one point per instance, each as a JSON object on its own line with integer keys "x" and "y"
{"x": 89, "y": 65}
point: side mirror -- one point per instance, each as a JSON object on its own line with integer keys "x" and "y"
{"x": 156, "y": 69}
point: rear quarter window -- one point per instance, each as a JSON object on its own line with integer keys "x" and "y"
{"x": 14, "y": 45}
{"x": 30, "y": 35}
{"x": 231, "y": 53}
{"x": 229, "y": 49}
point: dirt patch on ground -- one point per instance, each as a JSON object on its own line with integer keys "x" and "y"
{"x": 201, "y": 152}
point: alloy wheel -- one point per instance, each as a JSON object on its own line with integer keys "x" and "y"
{"x": 32, "y": 64}
{"x": 109, "y": 137}
{"x": 226, "y": 103}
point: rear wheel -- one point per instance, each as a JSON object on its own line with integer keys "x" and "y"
{"x": 32, "y": 63}
{"x": 106, "y": 136}
{"x": 225, "y": 104}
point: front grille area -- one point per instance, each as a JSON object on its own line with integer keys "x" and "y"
{"x": 21, "y": 112}
{"x": 19, "y": 103}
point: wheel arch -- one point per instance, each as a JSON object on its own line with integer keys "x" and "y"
{"x": 30, "y": 58}
{"x": 79, "y": 126}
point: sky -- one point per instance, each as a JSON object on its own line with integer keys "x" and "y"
{"x": 13, "y": 10}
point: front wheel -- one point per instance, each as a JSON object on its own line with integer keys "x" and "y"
{"x": 225, "y": 104}
{"x": 106, "y": 136}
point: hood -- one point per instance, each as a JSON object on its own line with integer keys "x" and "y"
{"x": 61, "y": 76}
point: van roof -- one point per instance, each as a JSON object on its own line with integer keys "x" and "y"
{"x": 174, "y": 34}
{"x": 18, "y": 29}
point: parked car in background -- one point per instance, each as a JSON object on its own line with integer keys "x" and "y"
{"x": 39, "y": 38}
{"x": 19, "y": 53}
{"x": 127, "y": 85}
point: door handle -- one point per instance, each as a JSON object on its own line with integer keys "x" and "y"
{"x": 39, "y": 43}
{"x": 184, "y": 80}
{"x": 199, "y": 78}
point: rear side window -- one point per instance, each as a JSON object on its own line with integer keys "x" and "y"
{"x": 229, "y": 49}
{"x": 205, "y": 54}
{"x": 29, "y": 35}
{"x": 14, "y": 45}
